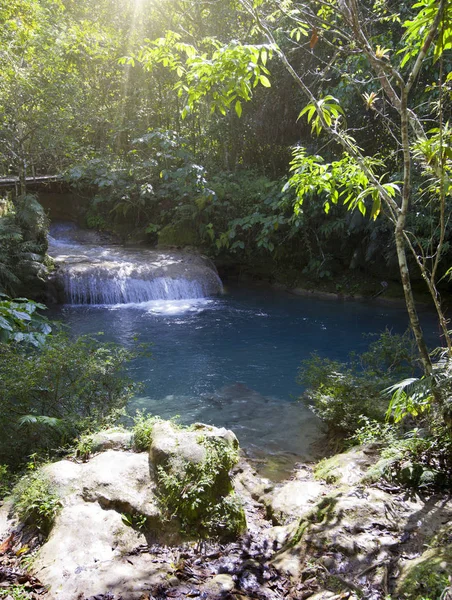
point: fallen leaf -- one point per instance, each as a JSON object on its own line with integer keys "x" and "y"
{"x": 7, "y": 544}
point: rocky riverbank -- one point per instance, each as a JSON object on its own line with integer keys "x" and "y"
{"x": 113, "y": 537}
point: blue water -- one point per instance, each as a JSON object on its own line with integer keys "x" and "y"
{"x": 232, "y": 361}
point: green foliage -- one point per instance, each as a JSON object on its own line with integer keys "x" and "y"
{"x": 190, "y": 494}
{"x": 157, "y": 184}
{"x": 5, "y": 480}
{"x": 138, "y": 522}
{"x": 15, "y": 592}
{"x": 342, "y": 394}
{"x": 84, "y": 447}
{"x": 142, "y": 431}
{"x": 23, "y": 243}
{"x": 227, "y": 73}
{"x": 48, "y": 394}
{"x": 35, "y": 501}
{"x": 21, "y": 323}
{"x": 428, "y": 577}
{"x": 372, "y": 431}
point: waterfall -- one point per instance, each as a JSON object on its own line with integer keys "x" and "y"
{"x": 94, "y": 274}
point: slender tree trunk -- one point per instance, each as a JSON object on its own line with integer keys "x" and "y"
{"x": 409, "y": 299}
{"x": 400, "y": 237}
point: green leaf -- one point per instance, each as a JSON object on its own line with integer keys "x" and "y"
{"x": 238, "y": 108}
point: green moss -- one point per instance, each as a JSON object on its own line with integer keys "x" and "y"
{"x": 427, "y": 576}
{"x": 326, "y": 470}
{"x": 200, "y": 495}
{"x": 180, "y": 234}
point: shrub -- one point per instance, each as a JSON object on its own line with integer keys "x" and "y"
{"x": 419, "y": 459}
{"x": 35, "y": 501}
{"x": 341, "y": 394}
{"x": 142, "y": 430}
{"x": 50, "y": 394}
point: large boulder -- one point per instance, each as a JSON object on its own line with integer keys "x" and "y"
{"x": 192, "y": 467}
{"x": 109, "y": 508}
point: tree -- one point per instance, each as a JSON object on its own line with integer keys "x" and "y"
{"x": 351, "y": 33}
{"x": 349, "y": 38}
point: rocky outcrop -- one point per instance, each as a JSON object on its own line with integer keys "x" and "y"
{"x": 361, "y": 539}
{"x": 112, "y": 505}
{"x": 306, "y": 537}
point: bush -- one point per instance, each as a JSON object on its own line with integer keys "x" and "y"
{"x": 341, "y": 394}
{"x": 142, "y": 431}
{"x": 50, "y": 394}
{"x": 35, "y": 502}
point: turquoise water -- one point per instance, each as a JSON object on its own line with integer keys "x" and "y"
{"x": 232, "y": 360}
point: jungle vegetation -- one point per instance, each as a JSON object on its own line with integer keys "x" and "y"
{"x": 303, "y": 138}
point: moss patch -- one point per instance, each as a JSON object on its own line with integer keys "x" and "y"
{"x": 328, "y": 469}
{"x": 426, "y": 576}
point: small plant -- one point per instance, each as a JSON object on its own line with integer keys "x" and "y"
{"x": 5, "y": 480}
{"x": 374, "y": 431}
{"x": 142, "y": 430}
{"x": 36, "y": 502}
{"x": 15, "y": 592}
{"x": 135, "y": 521}
{"x": 84, "y": 447}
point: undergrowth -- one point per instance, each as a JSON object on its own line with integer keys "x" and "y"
{"x": 200, "y": 495}
{"x": 36, "y": 502}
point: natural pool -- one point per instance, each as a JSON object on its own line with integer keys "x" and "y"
{"x": 232, "y": 360}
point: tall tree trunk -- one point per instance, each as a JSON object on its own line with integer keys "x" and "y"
{"x": 409, "y": 299}
{"x": 400, "y": 237}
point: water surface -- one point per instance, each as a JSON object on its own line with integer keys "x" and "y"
{"x": 232, "y": 361}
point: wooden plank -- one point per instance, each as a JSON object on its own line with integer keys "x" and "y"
{"x": 10, "y": 181}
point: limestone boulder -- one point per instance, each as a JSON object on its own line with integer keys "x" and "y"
{"x": 111, "y": 439}
{"x": 86, "y": 553}
{"x": 348, "y": 468}
{"x": 109, "y": 509}
{"x": 292, "y": 500}
{"x": 171, "y": 443}
{"x": 192, "y": 468}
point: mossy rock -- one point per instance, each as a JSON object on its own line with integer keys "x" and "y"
{"x": 192, "y": 469}
{"x": 179, "y": 234}
{"x": 348, "y": 468}
{"x": 426, "y": 576}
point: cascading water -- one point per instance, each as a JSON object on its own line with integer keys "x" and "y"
{"x": 94, "y": 274}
